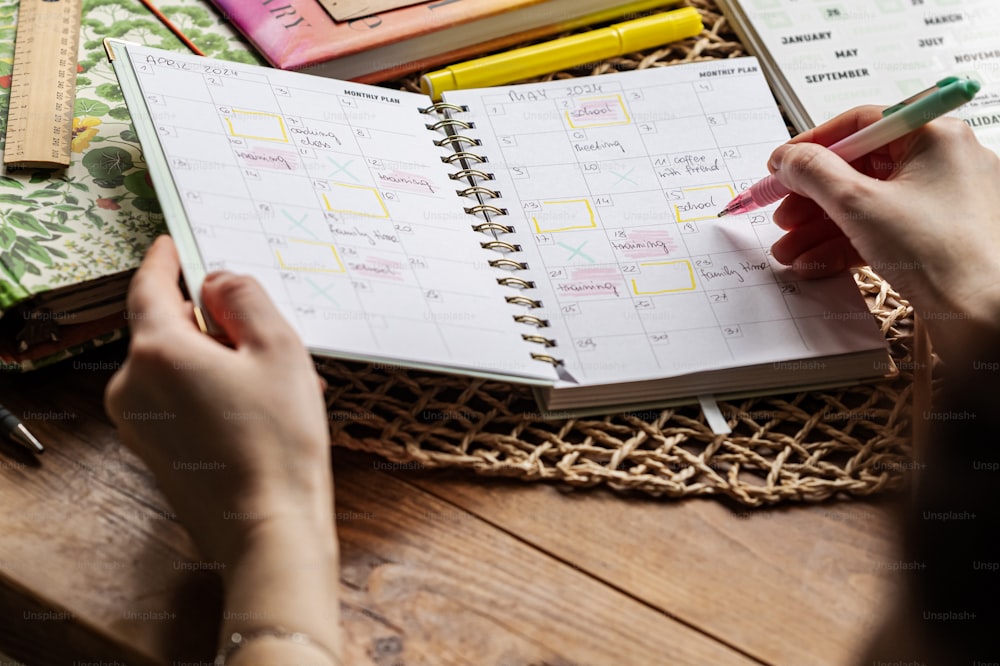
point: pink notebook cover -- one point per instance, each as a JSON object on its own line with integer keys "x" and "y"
{"x": 294, "y": 34}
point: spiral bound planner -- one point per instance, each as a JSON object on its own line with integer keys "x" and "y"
{"x": 558, "y": 234}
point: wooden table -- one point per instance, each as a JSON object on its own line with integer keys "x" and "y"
{"x": 437, "y": 568}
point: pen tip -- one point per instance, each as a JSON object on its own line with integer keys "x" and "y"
{"x": 723, "y": 212}
{"x": 26, "y": 438}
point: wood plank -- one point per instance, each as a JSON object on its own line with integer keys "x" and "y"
{"x": 87, "y": 536}
{"x": 463, "y": 592}
{"x": 798, "y": 584}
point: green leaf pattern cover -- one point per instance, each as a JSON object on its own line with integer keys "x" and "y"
{"x": 98, "y": 216}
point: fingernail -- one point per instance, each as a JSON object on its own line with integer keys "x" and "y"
{"x": 774, "y": 162}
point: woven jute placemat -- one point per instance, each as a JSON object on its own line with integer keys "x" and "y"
{"x": 803, "y": 446}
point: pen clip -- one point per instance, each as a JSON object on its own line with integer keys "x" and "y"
{"x": 920, "y": 95}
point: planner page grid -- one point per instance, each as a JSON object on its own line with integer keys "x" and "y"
{"x": 335, "y": 198}
{"x": 613, "y": 185}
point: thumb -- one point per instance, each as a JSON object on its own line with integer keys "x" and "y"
{"x": 817, "y": 173}
{"x": 241, "y": 307}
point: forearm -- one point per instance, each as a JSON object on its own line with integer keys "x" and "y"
{"x": 256, "y": 410}
{"x": 286, "y": 579}
{"x": 947, "y": 611}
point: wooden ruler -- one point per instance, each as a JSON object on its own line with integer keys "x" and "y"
{"x": 43, "y": 85}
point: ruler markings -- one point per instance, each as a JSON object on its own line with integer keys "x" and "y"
{"x": 43, "y": 85}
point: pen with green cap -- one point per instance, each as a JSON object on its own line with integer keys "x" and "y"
{"x": 897, "y": 121}
{"x": 618, "y": 39}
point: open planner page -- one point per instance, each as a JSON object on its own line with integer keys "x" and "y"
{"x": 612, "y": 185}
{"x": 334, "y": 196}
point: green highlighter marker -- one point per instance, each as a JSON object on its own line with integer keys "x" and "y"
{"x": 897, "y": 121}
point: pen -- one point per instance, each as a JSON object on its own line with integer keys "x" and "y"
{"x": 897, "y": 121}
{"x": 12, "y": 427}
{"x": 599, "y": 44}
{"x": 171, "y": 27}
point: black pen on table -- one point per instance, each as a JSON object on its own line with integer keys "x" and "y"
{"x": 12, "y": 427}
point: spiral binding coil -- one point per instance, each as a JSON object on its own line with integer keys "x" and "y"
{"x": 517, "y": 282}
{"x": 507, "y": 263}
{"x": 492, "y": 226}
{"x": 500, "y": 245}
{"x": 523, "y": 300}
{"x": 531, "y": 319}
{"x": 465, "y": 159}
{"x": 463, "y": 156}
{"x": 441, "y": 107}
{"x": 450, "y": 122}
{"x": 457, "y": 139}
{"x": 470, "y": 174}
{"x": 479, "y": 189}
{"x": 485, "y": 208}
{"x": 548, "y": 359}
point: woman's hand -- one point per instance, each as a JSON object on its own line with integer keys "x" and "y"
{"x": 237, "y": 439}
{"x": 923, "y": 211}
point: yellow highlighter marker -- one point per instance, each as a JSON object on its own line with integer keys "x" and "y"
{"x": 567, "y": 52}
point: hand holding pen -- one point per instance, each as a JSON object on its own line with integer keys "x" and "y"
{"x": 899, "y": 120}
{"x": 923, "y": 212}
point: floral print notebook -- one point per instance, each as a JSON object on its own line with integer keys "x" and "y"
{"x": 69, "y": 239}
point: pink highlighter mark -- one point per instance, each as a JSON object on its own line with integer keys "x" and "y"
{"x": 376, "y": 267}
{"x": 642, "y": 244}
{"x": 592, "y": 282}
{"x": 598, "y": 112}
{"x": 595, "y": 273}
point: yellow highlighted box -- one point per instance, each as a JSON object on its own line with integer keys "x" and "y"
{"x": 598, "y": 112}
{"x": 310, "y": 256}
{"x": 256, "y": 125}
{"x": 703, "y": 203}
{"x": 357, "y": 200}
{"x": 664, "y": 277}
{"x": 564, "y": 216}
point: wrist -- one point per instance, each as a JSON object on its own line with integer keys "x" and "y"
{"x": 286, "y": 576}
{"x": 266, "y": 518}
{"x": 961, "y": 333}
{"x": 282, "y": 543}
{"x": 275, "y": 646}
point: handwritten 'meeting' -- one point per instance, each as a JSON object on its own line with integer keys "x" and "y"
{"x": 598, "y": 145}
